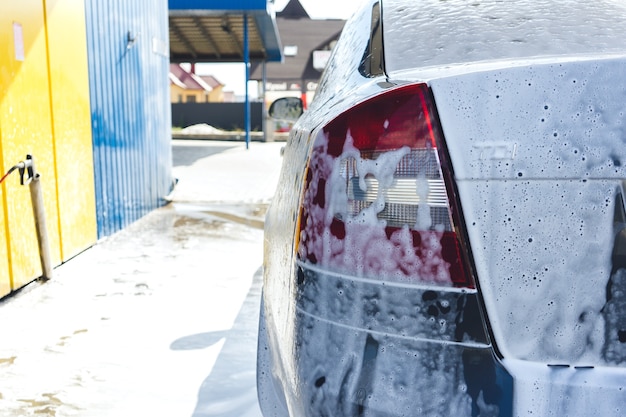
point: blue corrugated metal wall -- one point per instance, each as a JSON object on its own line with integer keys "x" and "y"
{"x": 128, "y": 49}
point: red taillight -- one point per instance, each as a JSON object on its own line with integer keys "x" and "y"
{"x": 375, "y": 203}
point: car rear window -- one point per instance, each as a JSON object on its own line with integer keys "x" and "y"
{"x": 435, "y": 33}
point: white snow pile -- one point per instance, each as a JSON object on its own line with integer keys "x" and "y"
{"x": 201, "y": 129}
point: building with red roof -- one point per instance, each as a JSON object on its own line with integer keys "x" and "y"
{"x": 187, "y": 87}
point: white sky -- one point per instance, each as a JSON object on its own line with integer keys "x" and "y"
{"x": 233, "y": 75}
{"x": 324, "y": 9}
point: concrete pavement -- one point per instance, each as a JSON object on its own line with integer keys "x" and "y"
{"x": 238, "y": 175}
{"x": 159, "y": 319}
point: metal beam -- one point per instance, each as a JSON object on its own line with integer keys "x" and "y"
{"x": 189, "y": 16}
{"x": 233, "y": 35}
{"x": 176, "y": 31}
{"x": 207, "y": 35}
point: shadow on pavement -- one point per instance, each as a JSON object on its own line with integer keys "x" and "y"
{"x": 230, "y": 389}
{"x": 187, "y": 155}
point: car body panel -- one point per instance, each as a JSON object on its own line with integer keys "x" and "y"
{"x": 537, "y": 152}
{"x": 566, "y": 391}
{"x": 334, "y": 95}
{"x": 366, "y": 347}
{"x": 534, "y": 136}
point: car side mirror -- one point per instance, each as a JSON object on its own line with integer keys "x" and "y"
{"x": 287, "y": 109}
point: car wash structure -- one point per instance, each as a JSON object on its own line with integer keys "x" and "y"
{"x": 225, "y": 31}
{"x": 85, "y": 112}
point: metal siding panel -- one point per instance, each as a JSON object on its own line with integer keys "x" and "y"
{"x": 159, "y": 108}
{"x": 130, "y": 109}
{"x": 69, "y": 79}
{"x": 26, "y": 126}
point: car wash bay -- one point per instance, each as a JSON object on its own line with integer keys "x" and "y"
{"x": 160, "y": 318}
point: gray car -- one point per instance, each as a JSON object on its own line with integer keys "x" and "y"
{"x": 448, "y": 237}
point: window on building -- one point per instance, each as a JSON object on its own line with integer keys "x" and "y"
{"x": 191, "y": 99}
{"x": 290, "y": 50}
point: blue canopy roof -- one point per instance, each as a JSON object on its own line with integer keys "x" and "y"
{"x": 212, "y": 31}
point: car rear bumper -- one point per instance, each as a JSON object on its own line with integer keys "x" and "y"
{"x": 364, "y": 347}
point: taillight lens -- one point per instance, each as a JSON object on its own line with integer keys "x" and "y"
{"x": 376, "y": 204}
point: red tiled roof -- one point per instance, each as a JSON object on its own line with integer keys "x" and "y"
{"x": 187, "y": 80}
{"x": 211, "y": 81}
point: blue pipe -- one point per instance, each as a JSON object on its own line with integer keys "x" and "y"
{"x": 246, "y": 57}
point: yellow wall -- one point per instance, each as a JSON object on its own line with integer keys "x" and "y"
{"x": 217, "y": 94}
{"x": 44, "y": 111}
{"x": 72, "y": 124}
{"x": 26, "y": 126}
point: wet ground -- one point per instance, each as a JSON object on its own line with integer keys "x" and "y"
{"x": 157, "y": 320}
{"x": 187, "y": 154}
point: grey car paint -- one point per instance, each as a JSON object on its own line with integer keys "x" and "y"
{"x": 533, "y": 118}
